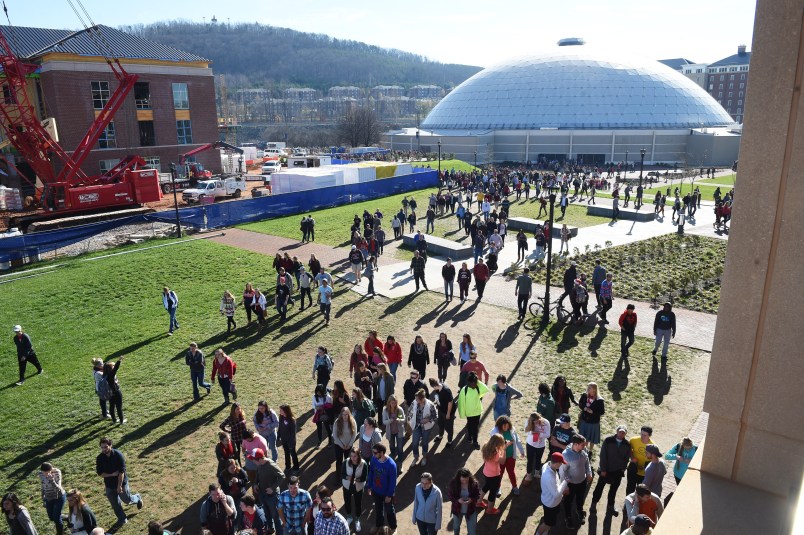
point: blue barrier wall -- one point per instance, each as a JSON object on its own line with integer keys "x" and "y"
{"x": 225, "y": 214}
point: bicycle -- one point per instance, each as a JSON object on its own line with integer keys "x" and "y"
{"x": 557, "y": 309}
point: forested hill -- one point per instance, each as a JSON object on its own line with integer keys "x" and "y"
{"x": 257, "y": 55}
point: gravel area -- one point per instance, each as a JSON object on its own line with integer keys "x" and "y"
{"x": 112, "y": 238}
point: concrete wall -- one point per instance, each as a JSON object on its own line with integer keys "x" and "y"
{"x": 707, "y": 149}
{"x": 756, "y": 423}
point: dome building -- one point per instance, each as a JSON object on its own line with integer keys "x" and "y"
{"x": 576, "y": 103}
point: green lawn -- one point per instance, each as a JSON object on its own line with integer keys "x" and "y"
{"x": 447, "y": 165}
{"x": 707, "y": 192}
{"x": 688, "y": 268}
{"x": 111, "y": 307}
{"x": 725, "y": 179}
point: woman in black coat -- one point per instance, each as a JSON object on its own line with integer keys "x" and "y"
{"x": 419, "y": 356}
{"x": 79, "y": 512}
{"x": 443, "y": 355}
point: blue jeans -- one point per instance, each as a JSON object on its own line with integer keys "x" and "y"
{"x": 420, "y": 433}
{"x": 393, "y": 367}
{"x": 125, "y": 497}
{"x": 471, "y": 523}
{"x": 54, "y": 508}
{"x": 270, "y": 438}
{"x": 226, "y": 385}
{"x": 197, "y": 379}
{"x": 174, "y": 323}
{"x": 429, "y": 227}
{"x": 270, "y": 503}
{"x": 397, "y": 443}
{"x": 498, "y": 413}
{"x": 282, "y": 308}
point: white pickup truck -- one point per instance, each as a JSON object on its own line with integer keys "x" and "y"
{"x": 215, "y": 188}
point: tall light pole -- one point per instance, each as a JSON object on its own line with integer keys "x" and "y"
{"x": 173, "y": 171}
{"x": 625, "y": 169}
{"x": 475, "y": 158}
{"x": 546, "y": 315}
{"x": 641, "y": 164}
{"x": 439, "y": 160}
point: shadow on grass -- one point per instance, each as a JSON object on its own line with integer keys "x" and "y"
{"x": 659, "y": 382}
{"x": 180, "y": 431}
{"x": 507, "y": 337}
{"x": 597, "y": 340}
{"x": 398, "y": 305}
{"x": 430, "y": 316}
{"x": 187, "y": 522}
{"x": 619, "y": 381}
{"x": 301, "y": 337}
{"x": 133, "y": 347}
{"x": 152, "y": 425}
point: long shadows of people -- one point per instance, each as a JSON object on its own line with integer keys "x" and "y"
{"x": 659, "y": 381}
{"x": 188, "y": 521}
{"x": 133, "y": 347}
{"x": 597, "y": 340}
{"x": 182, "y": 430}
{"x": 507, "y": 337}
{"x": 619, "y": 381}
{"x": 430, "y": 316}
{"x": 152, "y": 425}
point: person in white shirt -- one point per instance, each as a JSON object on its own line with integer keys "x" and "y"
{"x": 553, "y": 492}
{"x": 537, "y": 430}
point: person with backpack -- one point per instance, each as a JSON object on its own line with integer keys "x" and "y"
{"x": 606, "y": 298}
{"x": 322, "y": 366}
{"x": 470, "y": 406}
{"x": 628, "y": 323}
{"x": 171, "y": 303}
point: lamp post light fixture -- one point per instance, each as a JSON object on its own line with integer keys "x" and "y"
{"x": 546, "y": 315}
{"x": 641, "y": 164}
{"x": 439, "y": 159}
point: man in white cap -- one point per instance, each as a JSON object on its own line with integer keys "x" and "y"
{"x": 25, "y": 353}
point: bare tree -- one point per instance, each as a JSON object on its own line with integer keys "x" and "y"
{"x": 359, "y": 126}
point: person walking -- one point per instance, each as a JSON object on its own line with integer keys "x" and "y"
{"x": 577, "y": 472}
{"x": 368, "y": 273}
{"x": 521, "y": 245}
{"x": 266, "y": 423}
{"x": 294, "y": 505}
{"x": 664, "y": 328}
{"x": 53, "y": 495}
{"x": 523, "y": 291}
{"x": 628, "y": 323}
{"x": 422, "y": 417}
{"x": 606, "y": 297}
{"x": 565, "y": 237}
{"x": 682, "y": 453}
{"x": 570, "y": 275}
{"x": 445, "y": 404}
{"x": 464, "y": 280}
{"x": 463, "y": 492}
{"x": 546, "y": 405}
{"x": 503, "y": 394}
{"x": 269, "y": 480}
{"x": 227, "y": 308}
{"x": 448, "y": 274}
{"x": 322, "y": 366}
{"x": 305, "y": 284}
{"x": 482, "y": 275}
{"x": 17, "y": 516}
{"x": 79, "y": 514}
{"x": 393, "y": 418}
{"x": 235, "y": 426}
{"x": 111, "y": 466}
{"x": 598, "y": 276}
{"x": 97, "y": 375}
{"x": 110, "y": 389}
{"x": 504, "y": 427}
{"x": 443, "y": 355}
{"x": 614, "y": 456}
{"x": 287, "y": 434}
{"x": 417, "y": 265}
{"x": 354, "y": 472}
{"x": 419, "y": 356}
{"x": 225, "y": 368}
{"x": 171, "y": 303}
{"x": 194, "y": 358}
{"x": 493, "y": 454}
{"x": 25, "y": 353}
{"x": 381, "y": 484}
{"x": 325, "y": 300}
{"x": 470, "y": 406}
{"x": 427, "y": 506}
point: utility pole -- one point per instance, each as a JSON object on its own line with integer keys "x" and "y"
{"x": 173, "y": 172}
{"x": 641, "y": 164}
{"x": 546, "y": 314}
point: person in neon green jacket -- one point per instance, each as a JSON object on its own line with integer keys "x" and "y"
{"x": 470, "y": 406}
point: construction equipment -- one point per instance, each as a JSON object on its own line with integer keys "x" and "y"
{"x": 71, "y": 190}
{"x": 195, "y": 170}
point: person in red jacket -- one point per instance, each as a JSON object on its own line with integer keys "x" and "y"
{"x": 371, "y": 342}
{"x": 628, "y": 322}
{"x": 482, "y": 274}
{"x": 393, "y": 354}
{"x": 225, "y": 368}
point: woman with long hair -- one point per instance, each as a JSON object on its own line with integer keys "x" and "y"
{"x": 287, "y": 432}
{"x": 322, "y": 413}
{"x": 80, "y": 517}
{"x": 504, "y": 427}
{"x": 52, "y": 494}
{"x": 249, "y": 300}
{"x": 277, "y": 263}
{"x": 252, "y": 441}
{"x": 116, "y": 401}
{"x": 358, "y": 356}
{"x": 235, "y": 425}
{"x": 224, "y": 450}
{"x": 492, "y": 451}
{"x": 393, "y": 354}
{"x": 340, "y": 397}
{"x": 562, "y": 395}
{"x": 393, "y": 418}
{"x": 227, "y": 308}
{"x": 443, "y": 356}
{"x": 344, "y": 433}
{"x": 464, "y": 493}
{"x": 315, "y": 265}
{"x": 364, "y": 380}
{"x": 376, "y": 359}
{"x": 322, "y": 366}
{"x": 592, "y": 408}
{"x": 266, "y": 422}
{"x": 354, "y": 472}
{"x": 17, "y": 516}
{"x": 362, "y": 408}
{"x": 537, "y": 431}
{"x": 225, "y": 368}
{"x": 318, "y": 495}
{"x": 419, "y": 356}
{"x": 465, "y": 349}
{"x": 234, "y": 482}
{"x": 368, "y": 436}
{"x": 464, "y": 280}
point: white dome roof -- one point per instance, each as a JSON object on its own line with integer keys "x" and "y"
{"x": 579, "y": 89}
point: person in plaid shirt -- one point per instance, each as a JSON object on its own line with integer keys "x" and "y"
{"x": 294, "y": 505}
{"x": 328, "y": 521}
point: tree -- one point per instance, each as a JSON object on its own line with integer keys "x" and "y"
{"x": 359, "y": 126}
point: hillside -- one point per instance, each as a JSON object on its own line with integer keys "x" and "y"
{"x": 256, "y": 55}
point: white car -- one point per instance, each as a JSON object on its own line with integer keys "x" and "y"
{"x": 215, "y": 188}
{"x": 271, "y": 167}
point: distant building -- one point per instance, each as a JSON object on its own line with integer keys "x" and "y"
{"x": 677, "y": 64}
{"x": 380, "y": 91}
{"x": 696, "y": 72}
{"x": 170, "y": 110}
{"x": 301, "y": 94}
{"x": 727, "y": 80}
{"x": 345, "y": 92}
{"x": 426, "y": 92}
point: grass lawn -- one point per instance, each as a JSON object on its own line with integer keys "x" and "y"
{"x": 725, "y": 179}
{"x": 111, "y": 307}
{"x": 447, "y": 165}
{"x": 688, "y": 268}
{"x": 707, "y": 192}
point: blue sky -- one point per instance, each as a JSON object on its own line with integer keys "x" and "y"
{"x": 471, "y": 31}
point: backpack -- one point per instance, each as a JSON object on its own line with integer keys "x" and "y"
{"x": 105, "y": 390}
{"x": 580, "y": 295}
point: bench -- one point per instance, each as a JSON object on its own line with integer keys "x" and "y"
{"x": 645, "y": 213}
{"x": 440, "y": 246}
{"x": 529, "y": 225}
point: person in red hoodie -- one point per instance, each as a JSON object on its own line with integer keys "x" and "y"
{"x": 225, "y": 368}
{"x": 393, "y": 354}
{"x": 628, "y": 322}
{"x": 482, "y": 274}
{"x": 371, "y": 342}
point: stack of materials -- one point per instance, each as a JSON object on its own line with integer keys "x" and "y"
{"x": 10, "y": 199}
{"x": 306, "y": 179}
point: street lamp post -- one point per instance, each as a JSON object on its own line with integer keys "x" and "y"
{"x": 641, "y": 164}
{"x": 625, "y": 169}
{"x": 439, "y": 160}
{"x": 173, "y": 171}
{"x": 475, "y": 158}
{"x": 546, "y": 314}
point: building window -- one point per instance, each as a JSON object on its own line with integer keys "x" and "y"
{"x": 720, "y": 86}
{"x": 739, "y": 102}
{"x": 742, "y": 86}
{"x": 100, "y": 94}
{"x": 740, "y": 95}
{"x": 108, "y": 139}
{"x": 729, "y": 104}
{"x": 147, "y": 134}
{"x": 699, "y": 71}
{"x": 739, "y": 110}
{"x": 720, "y": 95}
{"x": 107, "y": 165}
{"x": 142, "y": 95}
{"x": 181, "y": 99}
{"x": 152, "y": 162}
{"x": 731, "y": 86}
{"x": 184, "y": 132}
{"x": 731, "y": 77}
{"x": 711, "y": 87}
{"x": 730, "y": 94}
{"x": 742, "y": 77}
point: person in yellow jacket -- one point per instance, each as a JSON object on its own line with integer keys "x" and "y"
{"x": 470, "y": 406}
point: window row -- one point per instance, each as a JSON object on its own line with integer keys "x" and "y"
{"x": 101, "y": 94}
{"x": 184, "y": 134}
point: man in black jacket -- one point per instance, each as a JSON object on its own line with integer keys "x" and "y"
{"x": 417, "y": 268}
{"x": 614, "y": 456}
{"x": 569, "y": 280}
{"x": 664, "y": 328}
{"x": 448, "y": 274}
{"x": 25, "y": 353}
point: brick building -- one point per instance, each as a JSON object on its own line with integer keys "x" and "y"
{"x": 727, "y": 81}
{"x": 170, "y": 111}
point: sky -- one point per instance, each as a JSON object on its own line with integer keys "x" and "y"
{"x": 472, "y": 32}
